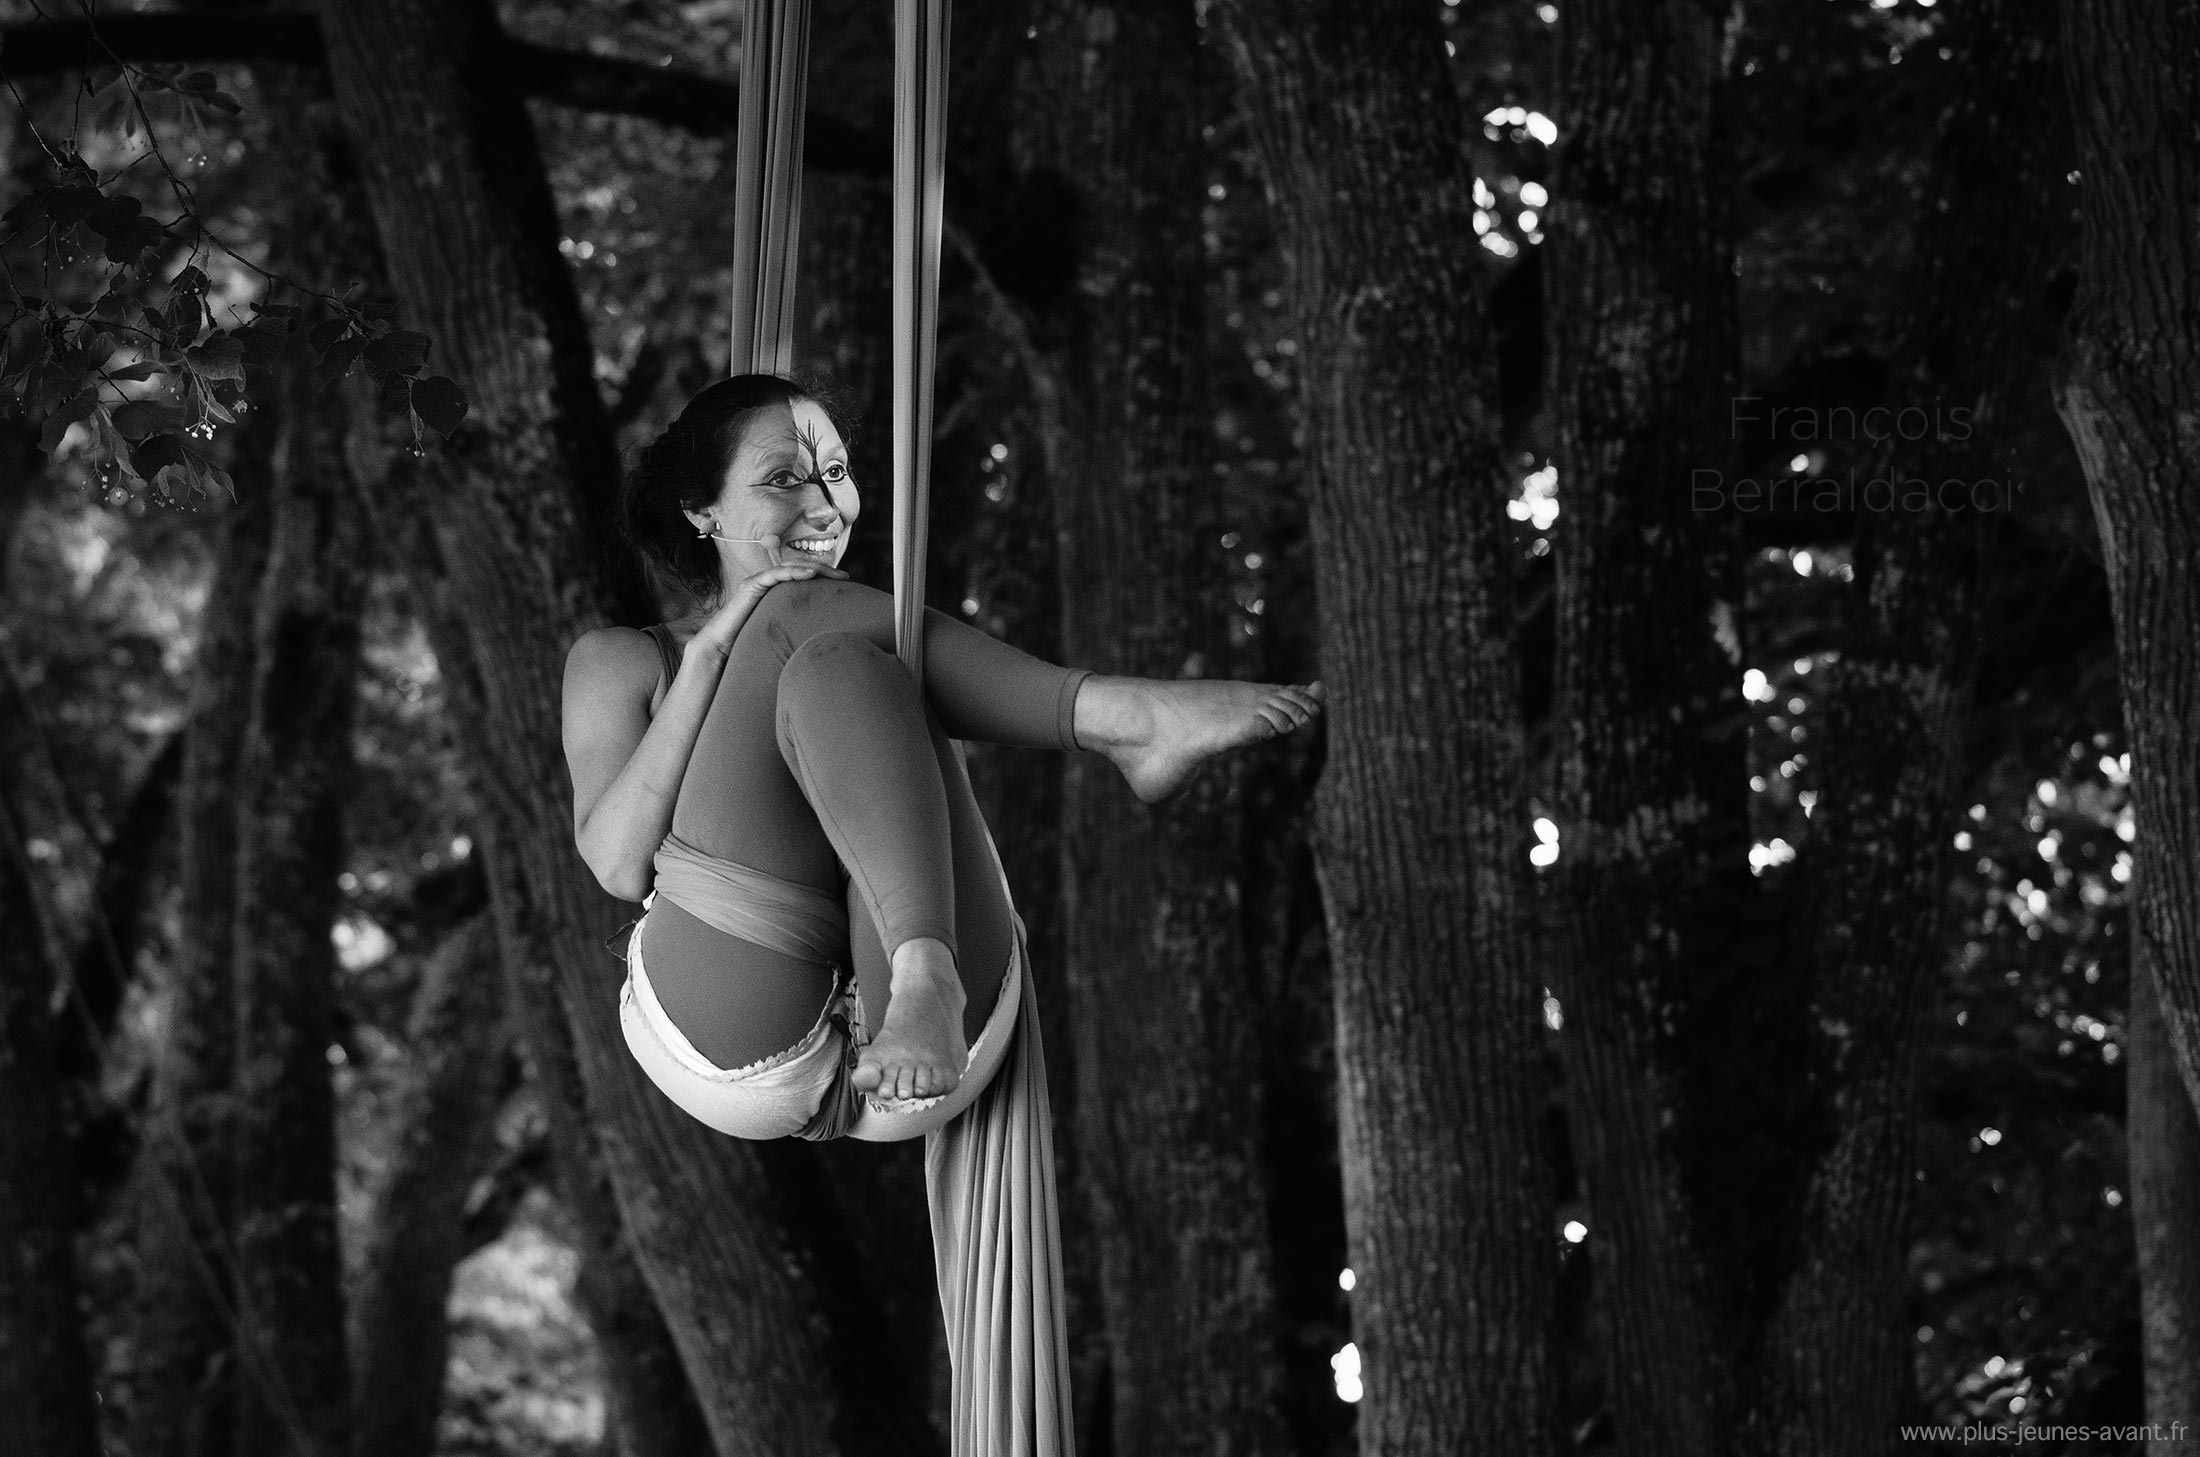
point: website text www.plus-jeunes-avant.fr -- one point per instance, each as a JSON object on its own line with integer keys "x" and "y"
{"x": 2013, "y": 1434}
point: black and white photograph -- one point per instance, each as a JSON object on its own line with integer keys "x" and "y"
{"x": 1099, "y": 728}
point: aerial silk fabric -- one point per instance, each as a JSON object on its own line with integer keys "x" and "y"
{"x": 988, "y": 1158}
{"x": 920, "y": 170}
{"x": 989, "y": 1164}
{"x": 767, "y": 183}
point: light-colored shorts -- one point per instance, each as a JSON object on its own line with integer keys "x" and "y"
{"x": 783, "y": 1095}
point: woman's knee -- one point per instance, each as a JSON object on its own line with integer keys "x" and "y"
{"x": 837, "y": 673}
{"x": 794, "y": 611}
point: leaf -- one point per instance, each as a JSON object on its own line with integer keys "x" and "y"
{"x": 395, "y": 396}
{"x": 222, "y": 101}
{"x": 72, "y": 205}
{"x": 400, "y": 350}
{"x": 79, "y": 406}
{"x": 110, "y": 442}
{"x": 126, "y": 245}
{"x": 186, "y": 316}
{"x": 262, "y": 342}
{"x": 159, "y": 452}
{"x": 144, "y": 369}
{"x": 110, "y": 215}
{"x": 275, "y": 311}
{"x": 337, "y": 360}
{"x": 140, "y": 418}
{"x": 220, "y": 357}
{"x": 379, "y": 309}
{"x": 191, "y": 280}
{"x": 26, "y": 210}
{"x": 197, "y": 83}
{"x": 325, "y": 334}
{"x": 176, "y": 482}
{"x": 56, "y": 383}
{"x": 439, "y": 403}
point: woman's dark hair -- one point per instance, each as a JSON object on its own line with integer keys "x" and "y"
{"x": 684, "y": 470}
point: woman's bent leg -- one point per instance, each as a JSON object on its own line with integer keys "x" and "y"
{"x": 856, "y": 735}
{"x": 734, "y": 1001}
{"x": 853, "y": 731}
{"x": 985, "y": 930}
{"x": 984, "y": 689}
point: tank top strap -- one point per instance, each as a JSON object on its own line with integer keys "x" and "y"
{"x": 668, "y": 651}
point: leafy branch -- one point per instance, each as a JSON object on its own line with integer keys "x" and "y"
{"x": 152, "y": 383}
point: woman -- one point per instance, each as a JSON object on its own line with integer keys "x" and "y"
{"x": 764, "y": 757}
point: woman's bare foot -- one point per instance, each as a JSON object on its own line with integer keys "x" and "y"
{"x": 1159, "y": 731}
{"x": 919, "y": 1050}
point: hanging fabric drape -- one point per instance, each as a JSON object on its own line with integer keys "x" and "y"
{"x": 989, "y": 1170}
{"x": 920, "y": 165}
{"x": 767, "y": 183}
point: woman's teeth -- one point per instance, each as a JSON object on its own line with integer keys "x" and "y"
{"x": 815, "y": 545}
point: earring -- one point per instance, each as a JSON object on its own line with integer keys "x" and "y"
{"x": 706, "y": 533}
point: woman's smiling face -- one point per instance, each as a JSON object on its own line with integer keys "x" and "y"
{"x": 788, "y": 479}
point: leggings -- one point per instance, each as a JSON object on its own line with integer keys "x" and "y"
{"x": 819, "y": 756}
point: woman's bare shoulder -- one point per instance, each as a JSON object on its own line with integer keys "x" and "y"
{"x": 613, "y": 658}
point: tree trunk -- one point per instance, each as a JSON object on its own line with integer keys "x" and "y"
{"x": 653, "y": 1410}
{"x": 2163, "y": 1138}
{"x": 1649, "y": 735}
{"x": 2128, "y": 389}
{"x": 1835, "y": 1374}
{"x": 443, "y": 1110}
{"x": 183, "y": 1389}
{"x": 1167, "y": 1053}
{"x": 1421, "y": 822}
{"x": 46, "y": 1403}
{"x": 517, "y": 506}
{"x": 134, "y": 864}
{"x": 292, "y": 773}
{"x": 1702, "y": 1160}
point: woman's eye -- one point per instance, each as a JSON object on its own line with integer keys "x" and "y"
{"x": 835, "y": 472}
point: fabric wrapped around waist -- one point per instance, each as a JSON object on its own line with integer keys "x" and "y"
{"x": 778, "y": 915}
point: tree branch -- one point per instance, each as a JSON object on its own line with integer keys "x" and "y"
{"x": 700, "y": 105}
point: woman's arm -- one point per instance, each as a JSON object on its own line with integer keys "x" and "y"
{"x": 626, "y": 764}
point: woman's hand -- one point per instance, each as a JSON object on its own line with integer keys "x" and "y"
{"x": 716, "y": 635}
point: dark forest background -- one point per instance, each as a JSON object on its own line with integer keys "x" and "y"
{"x": 1726, "y": 979}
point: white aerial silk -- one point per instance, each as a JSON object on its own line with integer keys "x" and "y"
{"x": 989, "y": 1169}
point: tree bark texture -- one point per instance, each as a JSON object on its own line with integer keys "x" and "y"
{"x": 2128, "y": 389}
{"x": 1650, "y": 738}
{"x": 2163, "y": 1139}
{"x": 1167, "y": 1049}
{"x": 517, "y": 510}
{"x": 46, "y": 1403}
{"x": 653, "y": 1410}
{"x": 1421, "y": 825}
{"x": 444, "y": 1110}
{"x": 1835, "y": 1371}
